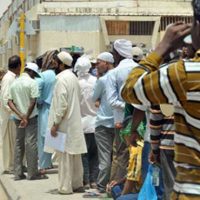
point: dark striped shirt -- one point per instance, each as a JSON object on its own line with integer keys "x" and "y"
{"x": 177, "y": 83}
{"x": 161, "y": 130}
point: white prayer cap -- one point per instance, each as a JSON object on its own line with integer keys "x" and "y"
{"x": 93, "y": 60}
{"x": 65, "y": 58}
{"x": 137, "y": 53}
{"x": 32, "y": 66}
{"x": 123, "y": 47}
{"x": 82, "y": 66}
{"x": 106, "y": 56}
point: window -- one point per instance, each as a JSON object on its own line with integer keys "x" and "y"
{"x": 166, "y": 20}
{"x": 130, "y": 27}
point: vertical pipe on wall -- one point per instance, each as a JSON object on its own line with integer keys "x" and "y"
{"x": 22, "y": 39}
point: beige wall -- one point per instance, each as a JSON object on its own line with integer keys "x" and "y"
{"x": 54, "y": 40}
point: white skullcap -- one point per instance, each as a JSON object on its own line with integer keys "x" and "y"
{"x": 123, "y": 47}
{"x": 106, "y": 56}
{"x": 32, "y": 66}
{"x": 82, "y": 66}
{"x": 137, "y": 53}
{"x": 65, "y": 58}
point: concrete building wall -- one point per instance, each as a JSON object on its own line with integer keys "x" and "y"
{"x": 54, "y": 40}
{"x": 66, "y": 23}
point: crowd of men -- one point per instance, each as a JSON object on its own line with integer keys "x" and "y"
{"x": 132, "y": 111}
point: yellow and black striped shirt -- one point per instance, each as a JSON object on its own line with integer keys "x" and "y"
{"x": 161, "y": 130}
{"x": 177, "y": 83}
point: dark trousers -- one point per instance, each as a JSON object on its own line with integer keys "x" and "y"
{"x": 26, "y": 141}
{"x": 168, "y": 171}
{"x": 120, "y": 158}
{"x": 90, "y": 160}
{"x": 145, "y": 159}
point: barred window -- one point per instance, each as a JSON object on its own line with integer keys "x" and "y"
{"x": 166, "y": 20}
{"x": 130, "y": 27}
{"x": 141, "y": 27}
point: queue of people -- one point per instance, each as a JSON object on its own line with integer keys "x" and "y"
{"x": 118, "y": 122}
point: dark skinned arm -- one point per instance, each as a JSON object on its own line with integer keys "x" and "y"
{"x": 137, "y": 117}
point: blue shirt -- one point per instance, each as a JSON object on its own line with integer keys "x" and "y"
{"x": 115, "y": 80}
{"x": 104, "y": 113}
{"x": 46, "y": 85}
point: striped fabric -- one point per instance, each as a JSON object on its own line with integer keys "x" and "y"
{"x": 161, "y": 129}
{"x": 177, "y": 83}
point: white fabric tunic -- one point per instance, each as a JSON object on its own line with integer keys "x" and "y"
{"x": 65, "y": 111}
{"x": 7, "y": 126}
{"x": 88, "y": 109}
{"x": 5, "y": 111}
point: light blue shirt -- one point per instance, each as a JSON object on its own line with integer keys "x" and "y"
{"x": 115, "y": 80}
{"x": 46, "y": 84}
{"x": 104, "y": 113}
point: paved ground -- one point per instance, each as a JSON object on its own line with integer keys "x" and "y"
{"x": 34, "y": 190}
{"x": 3, "y": 195}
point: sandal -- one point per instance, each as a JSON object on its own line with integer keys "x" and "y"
{"x": 38, "y": 177}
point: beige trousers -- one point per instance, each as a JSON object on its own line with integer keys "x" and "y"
{"x": 8, "y": 144}
{"x": 70, "y": 173}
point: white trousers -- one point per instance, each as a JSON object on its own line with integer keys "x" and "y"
{"x": 8, "y": 144}
{"x": 70, "y": 173}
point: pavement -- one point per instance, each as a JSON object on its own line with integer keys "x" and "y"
{"x": 35, "y": 190}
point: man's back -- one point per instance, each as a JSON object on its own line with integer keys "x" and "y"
{"x": 115, "y": 80}
{"x": 88, "y": 109}
{"x": 87, "y": 83}
{"x": 22, "y": 91}
{"x": 7, "y": 80}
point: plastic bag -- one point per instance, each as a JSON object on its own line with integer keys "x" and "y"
{"x": 148, "y": 191}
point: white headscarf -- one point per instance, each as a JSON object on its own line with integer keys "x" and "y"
{"x": 82, "y": 66}
{"x": 137, "y": 53}
{"x": 106, "y": 56}
{"x": 123, "y": 47}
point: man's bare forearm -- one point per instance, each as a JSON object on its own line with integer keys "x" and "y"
{"x": 138, "y": 116}
{"x": 14, "y": 109}
{"x": 30, "y": 108}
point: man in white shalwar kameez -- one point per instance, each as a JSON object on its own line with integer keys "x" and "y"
{"x": 7, "y": 125}
{"x": 65, "y": 116}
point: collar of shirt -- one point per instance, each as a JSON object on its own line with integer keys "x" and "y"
{"x": 11, "y": 73}
{"x": 24, "y": 74}
{"x": 127, "y": 60}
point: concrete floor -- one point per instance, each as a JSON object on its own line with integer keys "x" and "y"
{"x": 33, "y": 190}
{"x": 2, "y": 193}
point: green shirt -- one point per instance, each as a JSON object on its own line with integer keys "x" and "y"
{"x": 22, "y": 91}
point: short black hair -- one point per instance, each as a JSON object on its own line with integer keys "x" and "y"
{"x": 14, "y": 62}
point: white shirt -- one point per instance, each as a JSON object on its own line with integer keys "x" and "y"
{"x": 5, "y": 111}
{"x": 88, "y": 109}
